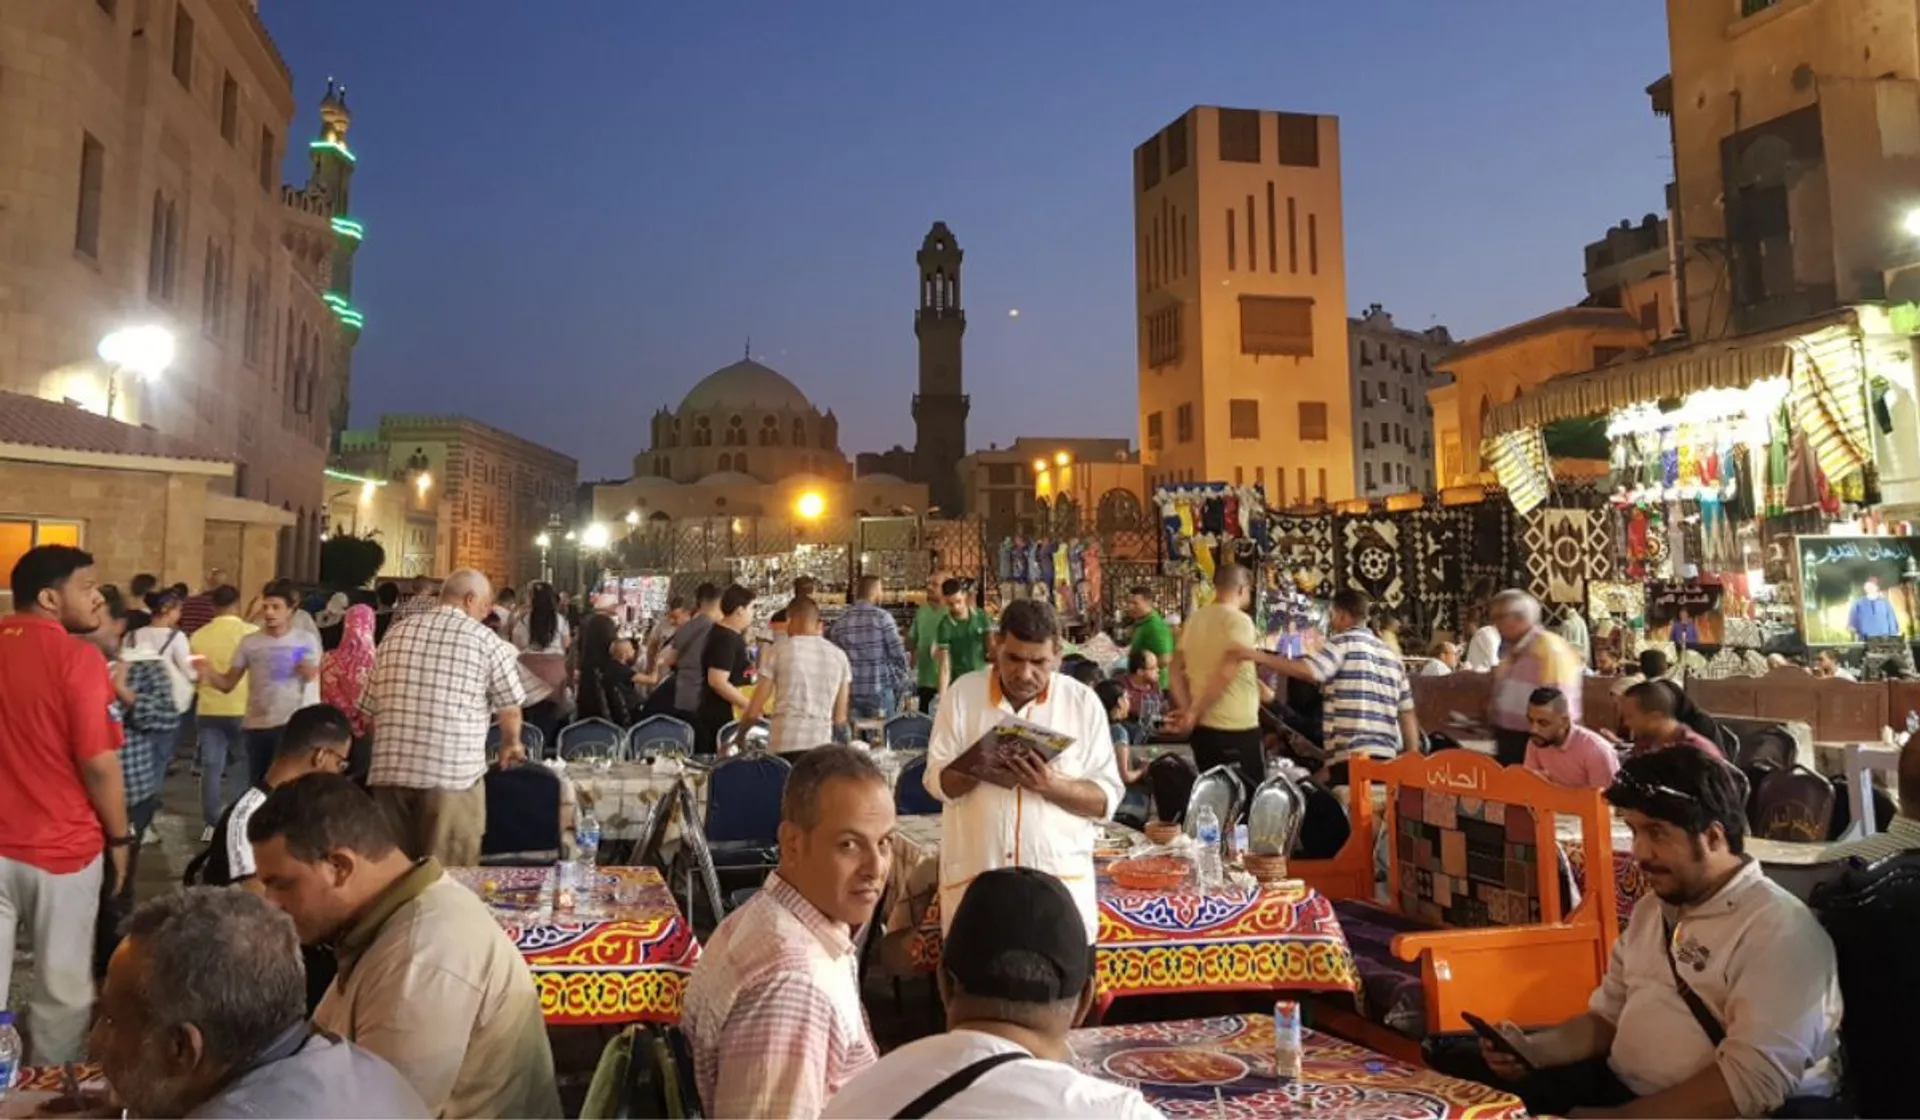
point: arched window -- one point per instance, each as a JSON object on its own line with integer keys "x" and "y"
{"x": 736, "y": 432}
{"x": 726, "y": 461}
{"x": 769, "y": 432}
{"x": 740, "y": 462}
{"x": 799, "y": 432}
{"x": 702, "y": 432}
{"x": 1119, "y": 509}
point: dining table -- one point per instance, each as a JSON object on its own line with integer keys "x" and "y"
{"x": 1226, "y": 1067}
{"x": 610, "y": 949}
{"x": 1236, "y": 936}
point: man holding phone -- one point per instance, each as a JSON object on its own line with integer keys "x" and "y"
{"x": 281, "y": 665}
{"x": 1025, "y": 812}
{"x": 1721, "y": 998}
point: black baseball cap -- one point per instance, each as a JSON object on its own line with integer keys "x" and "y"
{"x": 1017, "y": 935}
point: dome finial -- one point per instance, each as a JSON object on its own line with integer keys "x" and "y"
{"x": 748, "y": 355}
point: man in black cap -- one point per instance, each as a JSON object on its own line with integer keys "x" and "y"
{"x": 1016, "y": 975}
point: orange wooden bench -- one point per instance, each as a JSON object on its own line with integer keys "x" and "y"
{"x": 1473, "y": 906}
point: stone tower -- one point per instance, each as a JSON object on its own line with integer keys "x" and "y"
{"x": 940, "y": 407}
{"x": 329, "y": 191}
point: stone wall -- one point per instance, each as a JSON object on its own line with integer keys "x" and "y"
{"x": 133, "y": 521}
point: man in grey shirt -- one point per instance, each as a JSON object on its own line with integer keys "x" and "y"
{"x": 281, "y": 665}
{"x": 683, "y": 652}
{"x": 204, "y": 1013}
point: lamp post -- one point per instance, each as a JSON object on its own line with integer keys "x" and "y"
{"x": 146, "y": 351}
{"x": 594, "y": 539}
{"x": 543, "y": 542}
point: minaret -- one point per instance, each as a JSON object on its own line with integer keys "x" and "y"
{"x": 332, "y": 180}
{"x": 940, "y": 408}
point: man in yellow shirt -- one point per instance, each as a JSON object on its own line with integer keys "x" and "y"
{"x": 218, "y": 724}
{"x": 1221, "y": 705}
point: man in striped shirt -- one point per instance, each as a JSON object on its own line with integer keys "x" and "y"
{"x": 772, "y": 1011}
{"x": 1903, "y": 835}
{"x": 1369, "y": 707}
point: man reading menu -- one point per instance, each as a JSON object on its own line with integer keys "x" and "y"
{"x": 1028, "y": 796}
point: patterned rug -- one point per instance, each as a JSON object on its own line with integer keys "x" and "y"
{"x": 1303, "y": 546}
{"x": 1371, "y": 559}
{"x": 1565, "y": 549}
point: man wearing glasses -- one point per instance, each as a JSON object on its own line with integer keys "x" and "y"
{"x": 318, "y": 740}
{"x": 1721, "y": 998}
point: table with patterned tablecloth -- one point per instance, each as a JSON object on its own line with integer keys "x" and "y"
{"x": 1284, "y": 938}
{"x": 621, "y": 955}
{"x": 624, "y": 793}
{"x": 1224, "y": 1067}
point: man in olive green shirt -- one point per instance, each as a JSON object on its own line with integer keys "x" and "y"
{"x": 1150, "y": 630}
{"x": 1218, "y": 699}
{"x": 923, "y": 637}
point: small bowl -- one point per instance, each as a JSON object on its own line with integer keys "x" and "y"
{"x": 1151, "y": 873}
{"x": 1161, "y": 833}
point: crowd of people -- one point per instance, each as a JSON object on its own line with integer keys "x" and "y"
{"x": 321, "y": 962}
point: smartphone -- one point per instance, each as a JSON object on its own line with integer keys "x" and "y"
{"x": 1492, "y": 1034}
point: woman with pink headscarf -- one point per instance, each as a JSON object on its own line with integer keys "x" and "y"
{"x": 343, "y": 678}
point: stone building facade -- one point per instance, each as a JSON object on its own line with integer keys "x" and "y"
{"x": 1392, "y": 369}
{"x": 493, "y": 491}
{"x": 1241, "y": 295}
{"x": 140, "y": 184}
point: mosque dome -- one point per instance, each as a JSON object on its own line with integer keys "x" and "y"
{"x": 745, "y": 384}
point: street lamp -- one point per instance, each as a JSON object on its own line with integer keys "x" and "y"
{"x": 543, "y": 542}
{"x": 810, "y": 506}
{"x": 596, "y": 536}
{"x": 1913, "y": 222}
{"x": 145, "y": 351}
{"x": 633, "y": 519}
{"x": 1061, "y": 458}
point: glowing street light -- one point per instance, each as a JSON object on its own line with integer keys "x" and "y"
{"x": 1039, "y": 466}
{"x": 543, "y": 542}
{"x": 1061, "y": 458}
{"x": 633, "y": 518}
{"x": 596, "y": 536}
{"x": 1913, "y": 222}
{"x": 810, "y": 506}
{"x": 145, "y": 351}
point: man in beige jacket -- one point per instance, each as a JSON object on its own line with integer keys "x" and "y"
{"x": 428, "y": 980}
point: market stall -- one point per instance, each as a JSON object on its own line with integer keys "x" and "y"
{"x": 1748, "y": 501}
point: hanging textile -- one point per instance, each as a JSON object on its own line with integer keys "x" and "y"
{"x": 1828, "y": 402}
{"x": 1370, "y": 548}
{"x": 1519, "y": 461}
{"x": 1565, "y": 549}
{"x": 1439, "y": 552}
{"x": 1303, "y": 548}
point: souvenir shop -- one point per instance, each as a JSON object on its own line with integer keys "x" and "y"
{"x": 635, "y": 599}
{"x": 1746, "y": 511}
{"x": 1069, "y": 574}
{"x": 1204, "y": 525}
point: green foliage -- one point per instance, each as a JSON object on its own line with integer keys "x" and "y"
{"x": 349, "y": 562}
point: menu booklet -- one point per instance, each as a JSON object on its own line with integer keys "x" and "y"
{"x": 1009, "y": 737}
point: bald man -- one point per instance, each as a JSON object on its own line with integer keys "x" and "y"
{"x": 441, "y": 678}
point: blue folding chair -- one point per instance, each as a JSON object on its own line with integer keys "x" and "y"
{"x": 908, "y": 731}
{"x": 743, "y": 811}
{"x": 910, "y": 796}
{"x": 530, "y": 738}
{"x": 592, "y": 738}
{"x": 660, "y": 735}
{"x": 758, "y": 736}
{"x": 523, "y": 818}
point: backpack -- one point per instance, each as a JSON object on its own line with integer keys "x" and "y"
{"x": 1794, "y": 805}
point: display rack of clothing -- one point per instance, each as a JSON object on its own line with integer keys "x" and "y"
{"x": 1207, "y": 524}
{"x": 1069, "y": 574}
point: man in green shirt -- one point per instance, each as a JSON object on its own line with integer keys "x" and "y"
{"x": 962, "y": 634}
{"x": 1150, "y": 629}
{"x": 923, "y": 637}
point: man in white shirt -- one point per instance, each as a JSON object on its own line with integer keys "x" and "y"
{"x": 807, "y": 681}
{"x": 1034, "y": 813}
{"x": 1483, "y": 650}
{"x": 1722, "y": 997}
{"x": 1015, "y": 978}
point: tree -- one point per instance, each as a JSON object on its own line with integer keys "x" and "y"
{"x": 348, "y": 562}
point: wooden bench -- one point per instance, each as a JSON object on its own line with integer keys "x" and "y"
{"x": 1473, "y": 910}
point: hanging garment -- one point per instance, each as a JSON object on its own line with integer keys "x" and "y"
{"x": 1804, "y": 483}
{"x": 1022, "y": 561}
{"x": 1779, "y": 463}
{"x": 1519, "y": 461}
{"x": 1203, "y": 557}
{"x": 1062, "y": 574}
{"x": 1234, "y": 527}
{"x": 1213, "y": 516}
{"x": 1077, "y": 561}
{"x": 1091, "y": 561}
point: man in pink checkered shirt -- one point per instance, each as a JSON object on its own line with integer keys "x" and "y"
{"x": 773, "y": 1010}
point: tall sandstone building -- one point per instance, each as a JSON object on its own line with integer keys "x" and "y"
{"x": 140, "y": 185}
{"x": 1242, "y": 289}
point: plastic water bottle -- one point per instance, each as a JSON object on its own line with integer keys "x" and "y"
{"x": 586, "y": 837}
{"x": 1206, "y": 833}
{"x": 9, "y": 1053}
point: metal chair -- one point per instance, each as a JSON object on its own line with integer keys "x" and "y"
{"x": 657, "y": 735}
{"x": 758, "y": 736}
{"x": 742, "y": 823}
{"x": 530, "y": 738}
{"x": 910, "y": 796}
{"x": 592, "y": 738}
{"x": 523, "y": 818}
{"x": 908, "y": 731}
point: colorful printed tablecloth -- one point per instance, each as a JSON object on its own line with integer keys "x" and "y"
{"x": 46, "y": 1079}
{"x": 622, "y": 955}
{"x": 1224, "y": 1067}
{"x": 1629, "y": 886}
{"x": 1284, "y": 938}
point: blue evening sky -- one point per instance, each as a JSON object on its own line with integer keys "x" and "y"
{"x": 577, "y": 208}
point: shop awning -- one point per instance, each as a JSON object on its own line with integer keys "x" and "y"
{"x": 1732, "y": 364}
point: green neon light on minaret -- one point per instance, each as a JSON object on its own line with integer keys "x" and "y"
{"x": 333, "y": 146}
{"x": 347, "y": 227}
